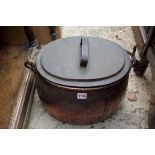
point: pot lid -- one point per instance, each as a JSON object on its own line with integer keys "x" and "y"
{"x": 82, "y": 61}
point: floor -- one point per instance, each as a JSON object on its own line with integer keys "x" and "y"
{"x": 12, "y": 71}
{"x": 134, "y": 110}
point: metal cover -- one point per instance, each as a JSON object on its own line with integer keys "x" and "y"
{"x": 59, "y": 62}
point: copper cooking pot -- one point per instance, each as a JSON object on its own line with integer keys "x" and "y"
{"x": 81, "y": 80}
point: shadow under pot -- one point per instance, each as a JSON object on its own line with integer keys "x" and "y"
{"x": 81, "y": 80}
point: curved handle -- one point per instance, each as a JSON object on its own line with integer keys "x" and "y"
{"x": 84, "y": 52}
{"x": 133, "y": 57}
{"x": 30, "y": 65}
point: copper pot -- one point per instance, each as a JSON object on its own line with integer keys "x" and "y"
{"x": 81, "y": 80}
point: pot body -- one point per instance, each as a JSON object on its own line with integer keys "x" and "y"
{"x": 80, "y": 105}
{"x": 81, "y": 80}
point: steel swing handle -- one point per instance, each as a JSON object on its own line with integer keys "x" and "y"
{"x": 84, "y": 44}
{"x": 132, "y": 56}
{"x": 30, "y": 62}
{"x": 30, "y": 65}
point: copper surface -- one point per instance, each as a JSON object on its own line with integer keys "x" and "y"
{"x": 62, "y": 103}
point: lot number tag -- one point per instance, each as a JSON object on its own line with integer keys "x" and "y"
{"x": 81, "y": 96}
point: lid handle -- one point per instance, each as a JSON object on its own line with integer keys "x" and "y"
{"x": 84, "y": 52}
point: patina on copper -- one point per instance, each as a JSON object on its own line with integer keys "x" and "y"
{"x": 62, "y": 103}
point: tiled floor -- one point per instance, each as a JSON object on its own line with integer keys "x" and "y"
{"x": 132, "y": 114}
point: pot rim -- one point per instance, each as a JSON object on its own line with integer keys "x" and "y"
{"x": 82, "y": 88}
